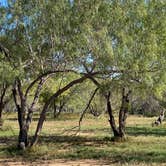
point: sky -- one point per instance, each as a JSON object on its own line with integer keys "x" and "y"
{"x": 3, "y": 2}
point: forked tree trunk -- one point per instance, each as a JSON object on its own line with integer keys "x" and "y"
{"x": 23, "y": 120}
{"x": 123, "y": 112}
{"x": 119, "y": 132}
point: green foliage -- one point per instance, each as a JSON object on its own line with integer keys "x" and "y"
{"x": 7, "y": 72}
{"x": 124, "y": 36}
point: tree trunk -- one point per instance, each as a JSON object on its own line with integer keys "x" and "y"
{"x": 123, "y": 112}
{"x": 56, "y": 114}
{"x": 54, "y": 105}
{"x": 121, "y": 115}
{"x": 23, "y": 138}
{"x": 23, "y": 132}
{"x": 24, "y": 122}
{"x": 21, "y": 110}
{"x": 1, "y": 109}
{"x": 111, "y": 120}
{"x": 119, "y": 133}
{"x": 2, "y": 102}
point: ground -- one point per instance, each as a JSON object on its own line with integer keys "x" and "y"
{"x": 62, "y": 144}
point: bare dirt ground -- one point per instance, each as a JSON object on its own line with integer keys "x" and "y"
{"x": 61, "y": 162}
{"x": 57, "y": 162}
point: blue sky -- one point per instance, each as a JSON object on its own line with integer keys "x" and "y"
{"x": 3, "y": 2}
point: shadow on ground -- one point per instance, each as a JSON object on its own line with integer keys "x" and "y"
{"x": 82, "y": 147}
{"x": 147, "y": 131}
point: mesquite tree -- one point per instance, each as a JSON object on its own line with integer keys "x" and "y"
{"x": 134, "y": 33}
{"x": 38, "y": 50}
{"x": 115, "y": 44}
{"x": 34, "y": 49}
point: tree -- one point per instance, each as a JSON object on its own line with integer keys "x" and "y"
{"x": 137, "y": 52}
{"x": 38, "y": 50}
{"x": 115, "y": 44}
{"x": 133, "y": 47}
{"x": 32, "y": 52}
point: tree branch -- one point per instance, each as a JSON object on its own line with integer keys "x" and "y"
{"x": 44, "y": 75}
{"x": 88, "y": 104}
{"x": 15, "y": 96}
{"x": 35, "y": 99}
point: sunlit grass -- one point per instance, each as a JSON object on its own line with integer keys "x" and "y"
{"x": 144, "y": 144}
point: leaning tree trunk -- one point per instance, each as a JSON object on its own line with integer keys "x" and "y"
{"x": 123, "y": 112}
{"x": 50, "y": 100}
{"x": 111, "y": 117}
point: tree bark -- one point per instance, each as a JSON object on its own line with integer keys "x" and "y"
{"x": 56, "y": 114}
{"x": 1, "y": 109}
{"x": 55, "y": 109}
{"x": 35, "y": 100}
{"x": 111, "y": 117}
{"x": 2, "y": 102}
{"x": 87, "y": 106}
{"x": 123, "y": 112}
{"x": 24, "y": 122}
{"x": 23, "y": 133}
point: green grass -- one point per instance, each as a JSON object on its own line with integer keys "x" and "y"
{"x": 145, "y": 144}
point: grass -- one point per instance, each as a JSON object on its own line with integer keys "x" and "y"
{"x": 145, "y": 144}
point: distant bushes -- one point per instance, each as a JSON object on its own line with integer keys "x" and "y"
{"x": 146, "y": 107}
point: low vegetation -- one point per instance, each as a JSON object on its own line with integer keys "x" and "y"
{"x": 144, "y": 144}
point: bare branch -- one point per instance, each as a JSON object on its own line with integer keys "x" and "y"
{"x": 19, "y": 87}
{"x": 88, "y": 104}
{"x": 37, "y": 93}
{"x": 94, "y": 81}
